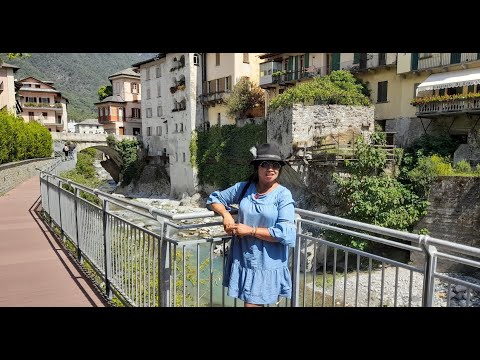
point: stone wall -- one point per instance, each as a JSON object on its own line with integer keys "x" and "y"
{"x": 454, "y": 212}
{"x": 13, "y": 174}
{"x": 306, "y": 125}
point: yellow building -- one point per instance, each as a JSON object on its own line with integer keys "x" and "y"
{"x": 221, "y": 71}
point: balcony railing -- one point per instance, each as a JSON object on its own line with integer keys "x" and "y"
{"x": 451, "y": 107}
{"x": 446, "y": 59}
{"x": 215, "y": 97}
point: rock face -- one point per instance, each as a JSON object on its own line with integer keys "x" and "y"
{"x": 154, "y": 180}
{"x": 453, "y": 213}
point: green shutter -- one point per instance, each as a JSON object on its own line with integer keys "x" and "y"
{"x": 297, "y": 61}
{"x": 290, "y": 67}
{"x": 335, "y": 61}
{"x": 414, "y": 65}
{"x": 455, "y": 58}
{"x": 356, "y": 58}
{"x": 305, "y": 60}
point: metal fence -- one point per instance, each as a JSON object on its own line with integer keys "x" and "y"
{"x": 146, "y": 257}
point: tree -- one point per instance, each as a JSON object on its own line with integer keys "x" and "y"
{"x": 104, "y": 91}
{"x": 15, "y": 55}
{"x": 245, "y": 96}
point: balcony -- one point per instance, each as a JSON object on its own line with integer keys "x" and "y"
{"x": 289, "y": 77}
{"x": 449, "y": 107}
{"x": 370, "y": 62}
{"x": 424, "y": 62}
{"x": 214, "y": 97}
{"x": 38, "y": 106}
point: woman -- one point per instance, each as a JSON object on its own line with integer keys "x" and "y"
{"x": 257, "y": 266}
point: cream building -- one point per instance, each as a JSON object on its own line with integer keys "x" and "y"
{"x": 172, "y": 113}
{"x": 454, "y": 78}
{"x": 221, "y": 73}
{"x": 89, "y": 126}
{"x": 7, "y": 87}
{"x": 120, "y": 113}
{"x": 279, "y": 71}
{"x": 41, "y": 102}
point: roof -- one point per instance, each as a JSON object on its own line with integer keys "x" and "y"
{"x": 113, "y": 98}
{"x": 268, "y": 55}
{"x": 128, "y": 72}
{"x": 155, "y": 58}
{"x": 88, "y": 122}
{"x": 39, "y": 90}
{"x": 4, "y": 64}
{"x": 450, "y": 79}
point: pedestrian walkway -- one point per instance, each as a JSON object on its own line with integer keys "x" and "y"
{"x": 34, "y": 268}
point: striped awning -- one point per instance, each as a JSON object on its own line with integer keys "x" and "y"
{"x": 450, "y": 79}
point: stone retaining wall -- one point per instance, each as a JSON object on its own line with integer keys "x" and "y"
{"x": 13, "y": 174}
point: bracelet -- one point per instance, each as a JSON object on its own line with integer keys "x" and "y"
{"x": 254, "y": 231}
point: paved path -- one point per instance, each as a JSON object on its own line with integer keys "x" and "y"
{"x": 34, "y": 268}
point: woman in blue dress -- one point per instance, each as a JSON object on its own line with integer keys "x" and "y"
{"x": 257, "y": 266}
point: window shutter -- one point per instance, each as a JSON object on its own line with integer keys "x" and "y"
{"x": 306, "y": 60}
{"x": 356, "y": 58}
{"x": 414, "y": 65}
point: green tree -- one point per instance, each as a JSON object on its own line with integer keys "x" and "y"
{"x": 340, "y": 87}
{"x": 245, "y": 96}
{"x": 104, "y": 91}
{"x": 15, "y": 56}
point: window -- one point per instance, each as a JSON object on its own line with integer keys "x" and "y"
{"x": 136, "y": 131}
{"x": 148, "y": 94}
{"x": 218, "y": 119}
{"x": 181, "y": 127}
{"x": 228, "y": 83}
{"x": 159, "y": 131}
{"x": 44, "y": 100}
{"x": 158, "y": 71}
{"x": 159, "y": 111}
{"x": 31, "y": 115}
{"x": 166, "y": 128}
{"x": 424, "y": 55}
{"x": 159, "y": 90}
{"x": 149, "y": 131}
{"x": 134, "y": 88}
{"x": 147, "y": 74}
{"x": 136, "y": 113}
{"x": 217, "y": 59}
{"x": 245, "y": 58}
{"x": 149, "y": 112}
{"x": 30, "y": 99}
{"x": 44, "y": 114}
{"x": 184, "y": 157}
{"x": 196, "y": 59}
{"x": 176, "y": 127}
{"x": 382, "y": 91}
{"x": 37, "y": 86}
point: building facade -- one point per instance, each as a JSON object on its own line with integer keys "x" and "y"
{"x": 120, "y": 113}
{"x": 7, "y": 87}
{"x": 177, "y": 113}
{"x": 221, "y": 71}
{"x": 41, "y": 102}
{"x": 89, "y": 126}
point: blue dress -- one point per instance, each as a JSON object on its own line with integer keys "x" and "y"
{"x": 257, "y": 271}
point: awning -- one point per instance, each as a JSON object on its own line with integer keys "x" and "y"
{"x": 450, "y": 79}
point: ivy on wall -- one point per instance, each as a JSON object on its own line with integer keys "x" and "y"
{"x": 222, "y": 154}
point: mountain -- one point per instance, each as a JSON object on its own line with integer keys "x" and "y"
{"x": 77, "y": 75}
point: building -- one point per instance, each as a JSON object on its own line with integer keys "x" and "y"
{"x": 120, "y": 113}
{"x": 7, "y": 87}
{"x": 170, "y": 113}
{"x": 89, "y": 126}
{"x": 279, "y": 71}
{"x": 41, "y": 102}
{"x": 221, "y": 71}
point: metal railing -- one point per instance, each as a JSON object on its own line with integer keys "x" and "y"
{"x": 450, "y": 106}
{"x": 167, "y": 259}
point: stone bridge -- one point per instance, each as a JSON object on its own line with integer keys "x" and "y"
{"x": 113, "y": 162}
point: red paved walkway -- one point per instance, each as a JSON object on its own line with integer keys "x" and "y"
{"x": 34, "y": 268}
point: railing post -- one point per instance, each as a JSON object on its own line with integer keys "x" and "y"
{"x": 430, "y": 252}
{"x": 62, "y": 235}
{"x": 296, "y": 264}
{"x": 106, "y": 244}
{"x": 48, "y": 201}
{"x": 164, "y": 270}
{"x": 79, "y": 251}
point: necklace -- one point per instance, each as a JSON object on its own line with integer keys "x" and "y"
{"x": 260, "y": 193}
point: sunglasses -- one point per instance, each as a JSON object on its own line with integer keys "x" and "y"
{"x": 270, "y": 164}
